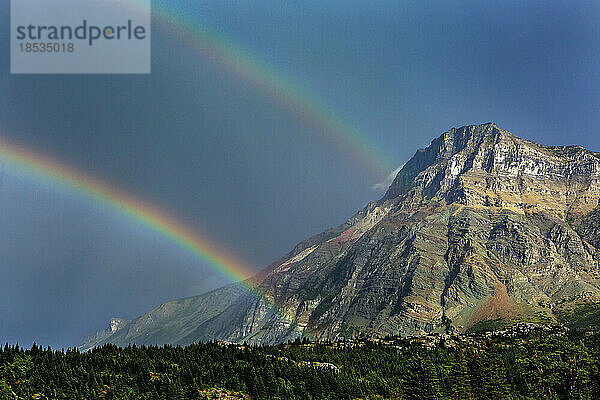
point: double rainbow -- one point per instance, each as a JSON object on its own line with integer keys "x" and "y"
{"x": 251, "y": 70}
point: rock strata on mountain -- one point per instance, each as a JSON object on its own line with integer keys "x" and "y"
{"x": 481, "y": 225}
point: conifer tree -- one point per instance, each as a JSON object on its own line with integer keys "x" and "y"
{"x": 460, "y": 380}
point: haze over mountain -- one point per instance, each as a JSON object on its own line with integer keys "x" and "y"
{"x": 480, "y": 225}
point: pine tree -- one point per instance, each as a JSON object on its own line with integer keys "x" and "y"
{"x": 421, "y": 381}
{"x": 460, "y": 381}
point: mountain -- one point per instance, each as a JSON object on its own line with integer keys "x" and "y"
{"x": 479, "y": 226}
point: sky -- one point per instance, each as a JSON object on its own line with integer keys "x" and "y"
{"x": 243, "y": 167}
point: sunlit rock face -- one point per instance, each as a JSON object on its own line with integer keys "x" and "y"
{"x": 487, "y": 166}
{"x": 479, "y": 225}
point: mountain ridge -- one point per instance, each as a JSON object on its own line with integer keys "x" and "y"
{"x": 479, "y": 225}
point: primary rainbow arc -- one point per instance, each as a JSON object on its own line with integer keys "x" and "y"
{"x": 135, "y": 208}
{"x": 39, "y": 165}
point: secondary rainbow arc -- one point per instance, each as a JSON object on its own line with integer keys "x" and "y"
{"x": 279, "y": 87}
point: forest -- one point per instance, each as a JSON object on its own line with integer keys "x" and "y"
{"x": 525, "y": 362}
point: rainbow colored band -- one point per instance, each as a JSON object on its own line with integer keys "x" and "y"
{"x": 281, "y": 89}
{"x": 41, "y": 166}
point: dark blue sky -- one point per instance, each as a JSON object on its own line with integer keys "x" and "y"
{"x": 232, "y": 162}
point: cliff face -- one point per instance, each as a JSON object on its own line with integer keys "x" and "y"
{"x": 479, "y": 225}
{"x": 487, "y": 166}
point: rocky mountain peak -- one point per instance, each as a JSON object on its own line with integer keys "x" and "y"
{"x": 457, "y": 139}
{"x": 484, "y": 165}
{"x": 440, "y": 151}
{"x": 479, "y": 226}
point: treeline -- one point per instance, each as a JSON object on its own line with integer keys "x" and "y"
{"x": 536, "y": 365}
